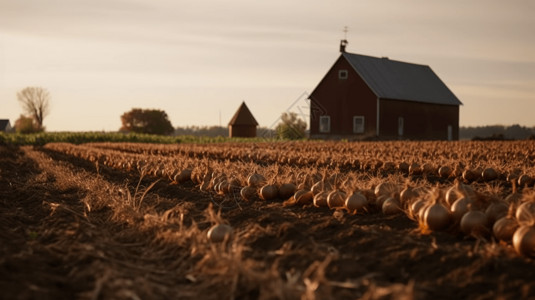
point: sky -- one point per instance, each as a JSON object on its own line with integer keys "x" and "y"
{"x": 198, "y": 60}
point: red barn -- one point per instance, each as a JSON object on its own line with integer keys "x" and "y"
{"x": 242, "y": 124}
{"x": 364, "y": 97}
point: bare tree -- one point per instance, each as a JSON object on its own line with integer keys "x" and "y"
{"x": 35, "y": 102}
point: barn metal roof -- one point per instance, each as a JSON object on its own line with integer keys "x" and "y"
{"x": 391, "y": 79}
{"x": 3, "y": 124}
{"x": 243, "y": 116}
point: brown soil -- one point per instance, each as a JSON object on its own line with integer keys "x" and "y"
{"x": 69, "y": 230}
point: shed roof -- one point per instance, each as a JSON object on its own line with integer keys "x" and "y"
{"x": 3, "y": 124}
{"x": 243, "y": 116}
{"x": 391, "y": 79}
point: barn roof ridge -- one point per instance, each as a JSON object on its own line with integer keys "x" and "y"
{"x": 398, "y": 80}
{"x": 243, "y": 116}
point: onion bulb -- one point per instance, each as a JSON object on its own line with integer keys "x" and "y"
{"x": 269, "y": 192}
{"x": 416, "y": 209}
{"x": 303, "y": 197}
{"x": 504, "y": 228}
{"x": 183, "y": 176}
{"x": 320, "y": 199}
{"x": 460, "y": 207}
{"x": 444, "y": 172}
{"x": 524, "y": 240}
{"x": 218, "y": 233}
{"x": 248, "y": 193}
{"x": 452, "y": 195}
{"x": 470, "y": 175}
{"x": 336, "y": 199}
{"x": 475, "y": 223}
{"x": 436, "y": 216}
{"x": 391, "y": 206}
{"x": 256, "y": 180}
{"x": 525, "y": 213}
{"x": 407, "y": 195}
{"x": 489, "y": 174}
{"x": 386, "y": 188}
{"x": 496, "y": 210}
{"x": 524, "y": 180}
{"x": 356, "y": 202}
{"x": 287, "y": 190}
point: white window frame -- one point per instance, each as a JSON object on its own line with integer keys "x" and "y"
{"x": 325, "y": 124}
{"x": 342, "y": 74}
{"x": 358, "y": 128}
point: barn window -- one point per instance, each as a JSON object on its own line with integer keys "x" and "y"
{"x": 400, "y": 126}
{"x": 342, "y": 74}
{"x": 325, "y": 124}
{"x": 358, "y": 124}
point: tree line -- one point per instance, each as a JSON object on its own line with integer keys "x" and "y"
{"x": 497, "y": 132}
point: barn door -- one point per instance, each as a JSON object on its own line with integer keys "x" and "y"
{"x": 400, "y": 126}
{"x": 450, "y": 133}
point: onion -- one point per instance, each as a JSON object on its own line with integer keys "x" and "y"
{"x": 386, "y": 188}
{"x": 407, "y": 195}
{"x": 452, "y": 195}
{"x": 404, "y": 167}
{"x": 436, "y": 216}
{"x": 320, "y": 199}
{"x": 525, "y": 213}
{"x": 303, "y": 197}
{"x": 489, "y": 174}
{"x": 269, "y": 192}
{"x": 319, "y": 187}
{"x": 504, "y": 228}
{"x": 496, "y": 210}
{"x": 218, "y": 233}
{"x": 415, "y": 169}
{"x": 428, "y": 168}
{"x": 256, "y": 180}
{"x": 391, "y": 206}
{"x": 524, "y": 240}
{"x": 356, "y": 202}
{"x": 416, "y": 209}
{"x": 524, "y": 180}
{"x": 336, "y": 199}
{"x": 460, "y": 207}
{"x": 380, "y": 200}
{"x": 475, "y": 223}
{"x": 183, "y": 176}
{"x": 444, "y": 172}
{"x": 470, "y": 175}
{"x": 287, "y": 190}
{"x": 248, "y": 193}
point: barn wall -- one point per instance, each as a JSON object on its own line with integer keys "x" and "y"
{"x": 422, "y": 121}
{"x": 242, "y": 131}
{"x": 341, "y": 99}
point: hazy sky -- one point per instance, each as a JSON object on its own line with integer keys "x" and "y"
{"x": 198, "y": 60}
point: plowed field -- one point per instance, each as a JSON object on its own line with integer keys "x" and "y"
{"x": 75, "y": 227}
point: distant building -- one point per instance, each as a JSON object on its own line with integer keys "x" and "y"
{"x": 242, "y": 124}
{"x": 370, "y": 97}
{"x": 5, "y": 125}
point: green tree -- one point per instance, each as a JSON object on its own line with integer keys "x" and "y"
{"x": 291, "y": 127}
{"x": 27, "y": 125}
{"x": 151, "y": 121}
{"x": 35, "y": 103}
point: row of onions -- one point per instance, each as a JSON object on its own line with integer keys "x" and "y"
{"x": 458, "y": 208}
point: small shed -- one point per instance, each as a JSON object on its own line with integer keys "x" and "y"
{"x": 5, "y": 125}
{"x": 364, "y": 97}
{"x": 242, "y": 124}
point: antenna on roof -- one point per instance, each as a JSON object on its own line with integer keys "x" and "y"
{"x": 343, "y": 43}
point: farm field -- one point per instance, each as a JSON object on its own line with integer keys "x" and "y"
{"x": 131, "y": 221}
